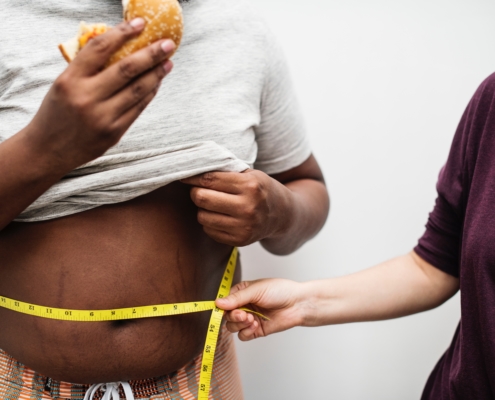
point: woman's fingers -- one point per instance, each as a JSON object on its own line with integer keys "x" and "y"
{"x": 238, "y": 320}
{"x": 241, "y": 295}
{"x": 93, "y": 57}
{"x": 246, "y": 325}
{"x": 274, "y": 298}
{"x": 249, "y": 333}
{"x": 239, "y": 316}
{"x": 125, "y": 72}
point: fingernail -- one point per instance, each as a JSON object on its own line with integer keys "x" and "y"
{"x": 168, "y": 46}
{"x": 167, "y": 66}
{"x": 137, "y": 23}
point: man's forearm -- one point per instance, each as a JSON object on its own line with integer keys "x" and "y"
{"x": 25, "y": 174}
{"x": 402, "y": 286}
{"x": 308, "y": 210}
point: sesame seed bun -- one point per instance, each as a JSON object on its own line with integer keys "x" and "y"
{"x": 163, "y": 21}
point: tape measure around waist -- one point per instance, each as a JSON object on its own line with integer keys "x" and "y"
{"x": 159, "y": 310}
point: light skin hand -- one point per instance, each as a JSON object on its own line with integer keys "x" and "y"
{"x": 401, "y": 286}
{"x": 85, "y": 112}
{"x": 281, "y": 211}
{"x": 281, "y": 300}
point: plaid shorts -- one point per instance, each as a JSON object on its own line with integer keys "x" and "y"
{"x": 18, "y": 382}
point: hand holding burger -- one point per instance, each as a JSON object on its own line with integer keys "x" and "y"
{"x": 113, "y": 75}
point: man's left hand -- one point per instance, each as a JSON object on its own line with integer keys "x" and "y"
{"x": 240, "y": 208}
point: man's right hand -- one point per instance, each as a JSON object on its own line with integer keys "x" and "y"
{"x": 89, "y": 108}
{"x": 86, "y": 111}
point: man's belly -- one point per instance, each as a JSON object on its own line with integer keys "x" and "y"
{"x": 150, "y": 250}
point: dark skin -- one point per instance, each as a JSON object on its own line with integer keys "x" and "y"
{"x": 165, "y": 247}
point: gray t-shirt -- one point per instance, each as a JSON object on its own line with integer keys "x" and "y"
{"x": 228, "y": 104}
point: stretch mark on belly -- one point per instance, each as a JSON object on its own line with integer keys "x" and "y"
{"x": 124, "y": 314}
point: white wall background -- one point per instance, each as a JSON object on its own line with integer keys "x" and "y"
{"x": 383, "y": 84}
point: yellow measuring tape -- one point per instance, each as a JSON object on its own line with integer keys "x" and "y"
{"x": 159, "y": 310}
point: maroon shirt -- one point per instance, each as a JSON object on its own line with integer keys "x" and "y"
{"x": 460, "y": 240}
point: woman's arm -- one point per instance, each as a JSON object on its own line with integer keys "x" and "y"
{"x": 402, "y": 286}
{"x": 86, "y": 111}
{"x": 282, "y": 211}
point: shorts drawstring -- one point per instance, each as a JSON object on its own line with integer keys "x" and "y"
{"x": 111, "y": 391}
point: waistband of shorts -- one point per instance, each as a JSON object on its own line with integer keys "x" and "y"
{"x": 19, "y": 377}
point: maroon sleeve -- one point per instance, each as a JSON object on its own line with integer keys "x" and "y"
{"x": 441, "y": 243}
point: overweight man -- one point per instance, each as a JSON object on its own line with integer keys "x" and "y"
{"x": 116, "y": 192}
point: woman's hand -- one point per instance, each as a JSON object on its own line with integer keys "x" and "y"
{"x": 240, "y": 208}
{"x": 402, "y": 286}
{"x": 89, "y": 108}
{"x": 281, "y": 300}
